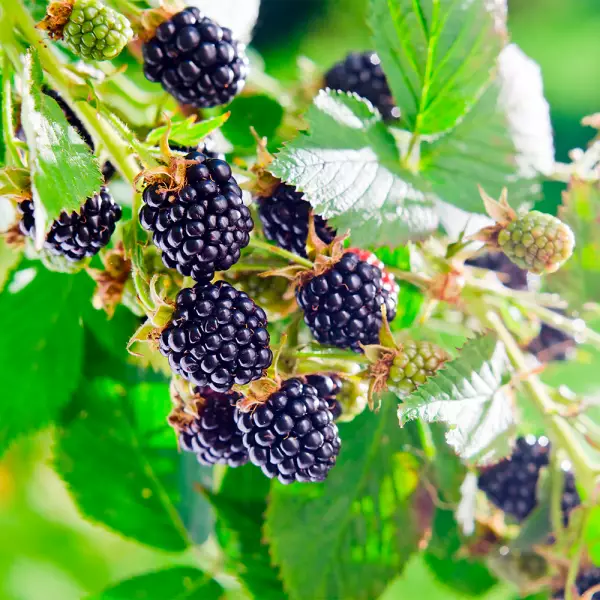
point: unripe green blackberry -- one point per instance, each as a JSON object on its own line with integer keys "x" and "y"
{"x": 414, "y": 362}
{"x": 94, "y": 31}
{"x": 537, "y": 242}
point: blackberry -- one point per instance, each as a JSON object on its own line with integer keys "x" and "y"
{"x": 284, "y": 217}
{"x": 217, "y": 337}
{"x": 328, "y": 386}
{"x": 203, "y": 227}
{"x": 551, "y": 344}
{"x": 585, "y": 581}
{"x": 537, "y": 242}
{"x": 342, "y": 306}
{"x": 362, "y": 74}
{"x": 196, "y": 61}
{"x": 78, "y": 235}
{"x": 513, "y": 276}
{"x": 292, "y": 435}
{"x": 511, "y": 484}
{"x": 213, "y": 436}
{"x": 570, "y": 498}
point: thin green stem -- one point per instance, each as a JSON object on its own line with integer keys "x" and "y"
{"x": 289, "y": 256}
{"x": 13, "y": 157}
{"x": 129, "y": 9}
{"x": 332, "y": 355}
{"x": 244, "y": 267}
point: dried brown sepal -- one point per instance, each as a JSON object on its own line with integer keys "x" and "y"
{"x": 110, "y": 282}
{"x": 447, "y": 287}
{"x": 379, "y": 371}
{"x": 257, "y": 393}
{"x": 145, "y": 26}
{"x": 146, "y": 333}
{"x": 499, "y": 210}
{"x": 168, "y": 178}
{"x": 314, "y": 244}
{"x": 14, "y": 238}
{"x": 57, "y": 16}
{"x": 325, "y": 259}
{"x": 264, "y": 184}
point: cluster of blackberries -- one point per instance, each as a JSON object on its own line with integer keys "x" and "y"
{"x": 291, "y": 436}
{"x": 512, "y": 484}
{"x": 78, "y": 235}
{"x": 202, "y": 227}
{"x": 196, "y": 61}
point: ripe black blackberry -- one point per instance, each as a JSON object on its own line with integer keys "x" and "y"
{"x": 284, "y": 217}
{"x": 213, "y": 436}
{"x": 217, "y": 337}
{"x": 513, "y": 277}
{"x": 203, "y": 227}
{"x": 570, "y": 498}
{"x": 585, "y": 581}
{"x": 292, "y": 435}
{"x": 78, "y": 235}
{"x": 342, "y": 306}
{"x": 196, "y": 61}
{"x": 362, "y": 73}
{"x": 511, "y": 484}
{"x": 551, "y": 344}
{"x": 328, "y": 386}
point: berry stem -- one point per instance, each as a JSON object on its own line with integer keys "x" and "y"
{"x": 587, "y": 473}
{"x": 289, "y": 256}
{"x": 332, "y": 355}
{"x": 12, "y": 154}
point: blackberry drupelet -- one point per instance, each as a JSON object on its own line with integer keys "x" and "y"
{"x": 328, "y": 386}
{"x": 78, "y": 235}
{"x": 292, "y": 435}
{"x": 511, "y": 484}
{"x": 203, "y": 227}
{"x": 512, "y": 276}
{"x": 217, "y": 337}
{"x": 585, "y": 581}
{"x": 195, "y": 60}
{"x": 284, "y": 217}
{"x": 362, "y": 73}
{"x": 213, "y": 436}
{"x": 342, "y": 306}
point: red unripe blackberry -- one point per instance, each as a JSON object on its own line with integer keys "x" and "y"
{"x": 195, "y": 60}
{"x": 342, "y": 306}
{"x": 78, "y": 235}
{"x": 328, "y": 386}
{"x": 213, "y": 436}
{"x": 284, "y": 216}
{"x": 292, "y": 435}
{"x": 203, "y": 227}
{"x": 217, "y": 337}
{"x": 362, "y": 74}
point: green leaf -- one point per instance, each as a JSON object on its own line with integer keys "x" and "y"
{"x": 349, "y": 536}
{"x": 63, "y": 169}
{"x": 240, "y": 506}
{"x": 349, "y": 168}
{"x": 468, "y": 394}
{"x": 176, "y": 583}
{"x": 578, "y": 281}
{"x": 9, "y": 261}
{"x": 188, "y": 132}
{"x": 41, "y": 350}
{"x": 111, "y": 452}
{"x": 410, "y": 297}
{"x": 14, "y": 181}
{"x": 438, "y": 56}
{"x": 261, "y": 112}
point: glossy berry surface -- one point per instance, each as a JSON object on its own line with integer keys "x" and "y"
{"x": 362, "y": 74}
{"x": 213, "y": 436}
{"x": 292, "y": 435}
{"x": 217, "y": 337}
{"x": 328, "y": 386}
{"x": 342, "y": 306}
{"x": 203, "y": 227}
{"x": 195, "y": 60}
{"x": 284, "y": 217}
{"x": 78, "y": 235}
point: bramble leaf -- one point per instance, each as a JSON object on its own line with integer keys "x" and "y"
{"x": 349, "y": 168}
{"x": 125, "y": 478}
{"x": 188, "y": 132}
{"x": 64, "y": 171}
{"x": 438, "y": 57}
{"x": 349, "y": 536}
{"x": 468, "y": 394}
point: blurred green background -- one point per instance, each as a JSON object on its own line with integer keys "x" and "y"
{"x": 48, "y": 551}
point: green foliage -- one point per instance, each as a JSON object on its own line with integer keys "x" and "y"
{"x": 118, "y": 463}
{"x": 188, "y": 132}
{"x": 356, "y": 531}
{"x": 42, "y": 348}
{"x": 468, "y": 394}
{"x": 438, "y": 57}
{"x": 63, "y": 170}
{"x": 177, "y": 583}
